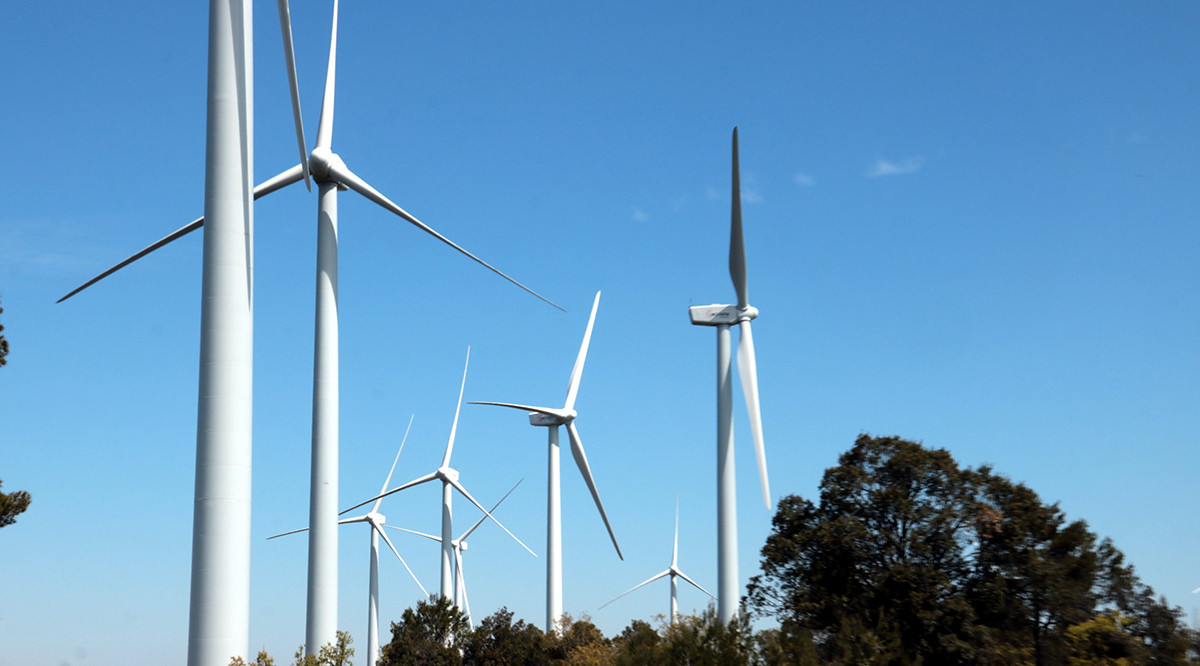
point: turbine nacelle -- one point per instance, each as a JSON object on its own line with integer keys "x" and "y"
{"x": 447, "y": 474}
{"x": 721, "y": 315}
{"x": 551, "y": 418}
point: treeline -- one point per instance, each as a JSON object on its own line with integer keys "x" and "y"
{"x": 908, "y": 558}
{"x": 905, "y": 559}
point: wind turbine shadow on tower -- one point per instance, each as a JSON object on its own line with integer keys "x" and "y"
{"x": 723, "y": 317}
{"x": 376, "y": 521}
{"x": 551, "y": 418}
{"x": 673, "y": 571}
{"x": 450, "y": 483}
{"x": 461, "y": 601}
{"x": 332, "y": 174}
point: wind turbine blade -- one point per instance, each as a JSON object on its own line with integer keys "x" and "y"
{"x": 345, "y": 176}
{"x": 462, "y": 584}
{"x": 494, "y": 507}
{"x": 303, "y": 529}
{"x": 415, "y": 482}
{"x": 289, "y": 54}
{"x": 737, "y": 249}
{"x": 675, "y": 547}
{"x": 457, "y": 409}
{"x": 458, "y": 486}
{"x": 577, "y": 371}
{"x": 748, "y": 371}
{"x": 641, "y": 584}
{"x": 586, "y": 470}
{"x": 286, "y": 178}
{"x": 548, "y": 411}
{"x": 388, "y": 480}
{"x": 344, "y": 521}
{"x": 406, "y": 567}
{"x": 694, "y": 583}
{"x": 405, "y": 529}
{"x": 325, "y": 124}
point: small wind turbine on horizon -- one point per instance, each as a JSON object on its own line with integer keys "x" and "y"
{"x": 377, "y": 521}
{"x": 449, "y": 478}
{"x": 551, "y": 418}
{"x": 673, "y": 571}
{"x": 722, "y": 317}
{"x": 459, "y": 545}
{"x": 331, "y": 174}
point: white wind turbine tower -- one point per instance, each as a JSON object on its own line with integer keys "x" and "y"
{"x": 331, "y": 174}
{"x": 551, "y": 418}
{"x": 219, "y": 611}
{"x": 376, "y": 520}
{"x": 673, "y": 571}
{"x": 459, "y": 545}
{"x": 722, "y": 317}
{"x": 449, "y": 478}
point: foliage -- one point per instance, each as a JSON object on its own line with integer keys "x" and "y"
{"x": 428, "y": 634}
{"x": 12, "y": 504}
{"x": 580, "y": 643}
{"x": 3, "y": 344}
{"x": 337, "y": 653}
{"x": 908, "y": 558}
{"x": 263, "y": 659}
{"x": 703, "y": 640}
{"x": 498, "y": 641}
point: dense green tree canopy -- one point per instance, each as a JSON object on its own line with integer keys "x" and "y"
{"x": 908, "y": 558}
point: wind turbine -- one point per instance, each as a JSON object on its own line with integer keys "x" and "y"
{"x": 459, "y": 545}
{"x": 331, "y": 174}
{"x": 449, "y": 478}
{"x": 219, "y": 610}
{"x": 551, "y": 418}
{"x": 673, "y": 571}
{"x": 376, "y": 520}
{"x": 722, "y": 317}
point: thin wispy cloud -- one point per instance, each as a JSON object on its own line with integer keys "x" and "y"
{"x": 903, "y": 167}
{"x": 805, "y": 180}
{"x": 639, "y": 215}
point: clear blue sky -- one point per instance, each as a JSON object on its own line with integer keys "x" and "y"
{"x": 970, "y": 225}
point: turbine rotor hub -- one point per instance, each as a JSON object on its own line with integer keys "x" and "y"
{"x": 320, "y": 161}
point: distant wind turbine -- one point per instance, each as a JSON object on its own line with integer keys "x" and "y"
{"x": 459, "y": 545}
{"x": 449, "y": 478}
{"x": 376, "y": 521}
{"x": 722, "y": 317}
{"x": 551, "y": 418}
{"x": 673, "y": 571}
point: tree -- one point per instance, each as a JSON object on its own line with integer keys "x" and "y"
{"x": 637, "y": 645}
{"x": 263, "y": 659}
{"x": 427, "y": 635}
{"x": 498, "y": 641}
{"x": 3, "y": 343}
{"x": 12, "y": 505}
{"x": 580, "y": 643}
{"x": 908, "y": 558}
